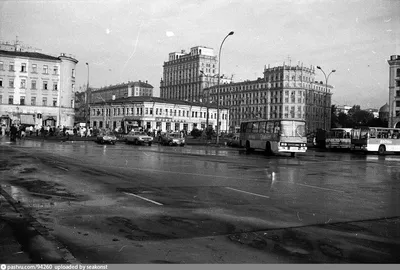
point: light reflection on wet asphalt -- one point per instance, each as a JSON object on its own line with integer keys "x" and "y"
{"x": 252, "y": 190}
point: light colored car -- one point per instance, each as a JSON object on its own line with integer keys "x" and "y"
{"x": 138, "y": 137}
{"x": 172, "y": 139}
{"x": 106, "y": 136}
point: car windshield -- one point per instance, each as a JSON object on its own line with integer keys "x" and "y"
{"x": 175, "y": 135}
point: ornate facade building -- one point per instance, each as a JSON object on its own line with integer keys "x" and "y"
{"x": 153, "y": 113}
{"x": 36, "y": 89}
{"x": 394, "y": 91}
{"x": 284, "y": 92}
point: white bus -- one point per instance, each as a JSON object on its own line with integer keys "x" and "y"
{"x": 274, "y": 136}
{"x": 376, "y": 139}
{"x": 338, "y": 138}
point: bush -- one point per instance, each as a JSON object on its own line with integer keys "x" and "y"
{"x": 195, "y": 133}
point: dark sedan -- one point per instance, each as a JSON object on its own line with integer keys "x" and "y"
{"x": 172, "y": 139}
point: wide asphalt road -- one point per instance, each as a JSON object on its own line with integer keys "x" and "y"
{"x": 199, "y": 204}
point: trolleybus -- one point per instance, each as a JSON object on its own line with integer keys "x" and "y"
{"x": 338, "y": 138}
{"x": 376, "y": 139}
{"x": 274, "y": 136}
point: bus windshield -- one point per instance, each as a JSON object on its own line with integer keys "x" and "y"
{"x": 293, "y": 129}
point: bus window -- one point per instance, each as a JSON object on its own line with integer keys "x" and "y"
{"x": 249, "y": 127}
{"x": 255, "y": 127}
{"x": 270, "y": 127}
{"x": 277, "y": 127}
{"x": 372, "y": 133}
{"x": 262, "y": 127}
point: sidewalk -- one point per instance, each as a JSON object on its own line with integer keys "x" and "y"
{"x": 24, "y": 240}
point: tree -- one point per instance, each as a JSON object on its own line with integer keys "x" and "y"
{"x": 334, "y": 118}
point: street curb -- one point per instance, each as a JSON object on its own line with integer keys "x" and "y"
{"x": 35, "y": 239}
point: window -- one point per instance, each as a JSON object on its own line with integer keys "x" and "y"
{"x": 44, "y": 101}
{"x": 23, "y": 67}
{"x": 11, "y": 100}
{"x": 397, "y": 71}
{"x": 34, "y": 68}
{"x": 11, "y": 83}
{"x": 151, "y": 111}
{"x": 23, "y": 83}
{"x": 45, "y": 85}
{"x": 147, "y": 110}
{"x": 33, "y": 100}
{"x": 1, "y": 99}
{"x": 33, "y": 84}
{"x": 54, "y": 102}
{"x": 1, "y": 65}
{"x": 55, "y": 69}
{"x": 45, "y": 69}
{"x": 55, "y": 86}
{"x": 11, "y": 66}
{"x": 22, "y": 100}
{"x": 398, "y": 83}
{"x": 73, "y": 73}
{"x": 1, "y": 82}
{"x": 397, "y": 103}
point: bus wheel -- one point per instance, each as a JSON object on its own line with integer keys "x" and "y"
{"x": 248, "y": 149}
{"x": 293, "y": 154}
{"x": 381, "y": 150}
{"x": 268, "y": 150}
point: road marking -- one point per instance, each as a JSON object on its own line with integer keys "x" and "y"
{"x": 127, "y": 193}
{"x": 62, "y": 168}
{"x": 247, "y": 192}
{"x": 341, "y": 191}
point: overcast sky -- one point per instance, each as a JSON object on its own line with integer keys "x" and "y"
{"x": 130, "y": 40}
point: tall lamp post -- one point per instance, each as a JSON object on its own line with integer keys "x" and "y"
{"x": 326, "y": 90}
{"x": 88, "y": 94}
{"x": 219, "y": 78}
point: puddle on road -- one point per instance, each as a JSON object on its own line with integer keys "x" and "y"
{"x": 339, "y": 243}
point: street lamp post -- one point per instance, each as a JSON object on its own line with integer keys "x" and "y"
{"x": 326, "y": 91}
{"x": 88, "y": 94}
{"x": 219, "y": 78}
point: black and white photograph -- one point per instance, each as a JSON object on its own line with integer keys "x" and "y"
{"x": 211, "y": 132}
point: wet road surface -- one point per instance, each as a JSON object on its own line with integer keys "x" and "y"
{"x": 197, "y": 204}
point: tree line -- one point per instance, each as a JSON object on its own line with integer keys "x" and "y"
{"x": 355, "y": 117}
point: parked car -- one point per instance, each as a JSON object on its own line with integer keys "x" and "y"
{"x": 106, "y": 136}
{"x": 138, "y": 137}
{"x": 171, "y": 139}
{"x": 234, "y": 141}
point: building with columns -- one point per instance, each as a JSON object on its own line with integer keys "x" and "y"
{"x": 284, "y": 92}
{"x": 36, "y": 89}
{"x": 153, "y": 113}
{"x": 394, "y": 91}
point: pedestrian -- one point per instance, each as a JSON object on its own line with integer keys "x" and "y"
{"x": 13, "y": 133}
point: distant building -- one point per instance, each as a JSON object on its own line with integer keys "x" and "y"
{"x": 343, "y": 109}
{"x": 185, "y": 75}
{"x": 394, "y": 91}
{"x": 123, "y": 90}
{"x": 36, "y": 89}
{"x": 284, "y": 92}
{"x": 154, "y": 113}
{"x": 384, "y": 113}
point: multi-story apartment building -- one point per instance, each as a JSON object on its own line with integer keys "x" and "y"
{"x": 35, "y": 88}
{"x": 394, "y": 91}
{"x": 284, "y": 92}
{"x": 185, "y": 75}
{"x": 153, "y": 113}
{"x": 117, "y": 91}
